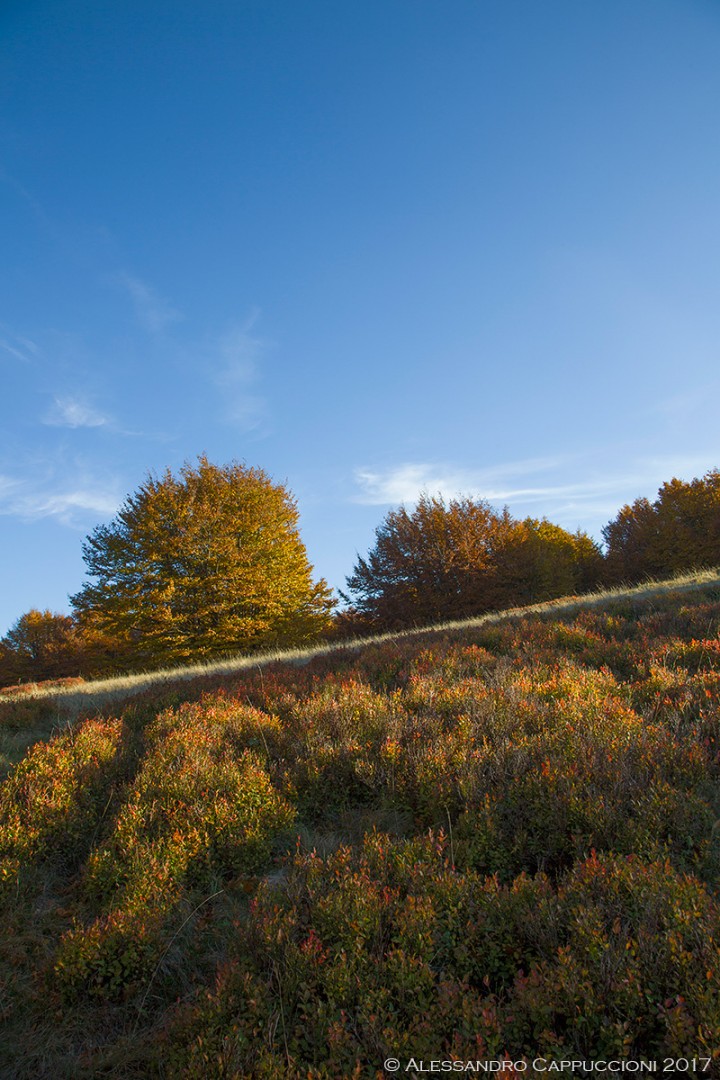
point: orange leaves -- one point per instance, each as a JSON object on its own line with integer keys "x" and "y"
{"x": 679, "y": 531}
{"x": 445, "y": 561}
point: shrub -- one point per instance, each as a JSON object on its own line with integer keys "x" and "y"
{"x": 53, "y": 801}
{"x": 200, "y": 812}
{"x": 389, "y": 951}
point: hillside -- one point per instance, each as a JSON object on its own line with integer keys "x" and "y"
{"x": 498, "y": 837}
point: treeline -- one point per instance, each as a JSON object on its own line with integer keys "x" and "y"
{"x": 211, "y": 562}
{"x": 679, "y": 531}
{"x": 44, "y": 645}
{"x": 462, "y": 558}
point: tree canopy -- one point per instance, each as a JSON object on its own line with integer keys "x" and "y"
{"x": 462, "y": 558}
{"x": 203, "y": 564}
{"x": 44, "y": 645}
{"x": 680, "y": 530}
{"x": 39, "y": 645}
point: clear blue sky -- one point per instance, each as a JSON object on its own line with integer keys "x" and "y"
{"x": 372, "y": 247}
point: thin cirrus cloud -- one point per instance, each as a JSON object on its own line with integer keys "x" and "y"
{"x": 71, "y": 494}
{"x": 71, "y": 412}
{"x": 70, "y": 507}
{"x": 404, "y": 483}
{"x": 7, "y": 347}
{"x": 234, "y": 358}
{"x": 230, "y": 360}
{"x": 152, "y": 311}
{"x": 19, "y": 347}
{"x": 560, "y": 493}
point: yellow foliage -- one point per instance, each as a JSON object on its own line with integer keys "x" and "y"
{"x": 203, "y": 564}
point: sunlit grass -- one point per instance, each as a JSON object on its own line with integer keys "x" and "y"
{"x": 498, "y": 835}
{"x": 100, "y": 692}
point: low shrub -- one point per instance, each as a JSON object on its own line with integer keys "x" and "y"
{"x": 390, "y": 952}
{"x": 201, "y": 811}
{"x": 53, "y": 801}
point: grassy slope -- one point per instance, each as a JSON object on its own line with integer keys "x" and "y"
{"x": 66, "y": 698}
{"x": 36, "y": 711}
{"x": 505, "y": 833}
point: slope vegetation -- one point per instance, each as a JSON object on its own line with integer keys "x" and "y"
{"x": 484, "y": 839}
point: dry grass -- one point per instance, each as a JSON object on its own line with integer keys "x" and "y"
{"x": 71, "y": 700}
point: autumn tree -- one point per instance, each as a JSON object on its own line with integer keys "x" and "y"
{"x": 41, "y": 645}
{"x": 44, "y": 645}
{"x": 689, "y": 523}
{"x": 203, "y": 564}
{"x": 552, "y": 562}
{"x": 426, "y": 564}
{"x": 631, "y": 541}
{"x": 462, "y": 558}
{"x": 680, "y": 530}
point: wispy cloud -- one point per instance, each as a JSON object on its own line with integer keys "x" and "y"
{"x": 238, "y": 353}
{"x": 74, "y": 413}
{"x": 570, "y": 491}
{"x": 234, "y": 358}
{"x": 153, "y": 312}
{"x": 693, "y": 405}
{"x": 16, "y": 345}
{"x": 8, "y": 348}
{"x": 63, "y": 505}
{"x": 404, "y": 483}
{"x": 73, "y": 497}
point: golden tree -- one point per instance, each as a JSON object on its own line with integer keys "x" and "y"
{"x": 47, "y": 645}
{"x": 552, "y": 562}
{"x": 462, "y": 558}
{"x": 201, "y": 565}
{"x": 679, "y": 531}
{"x": 39, "y": 645}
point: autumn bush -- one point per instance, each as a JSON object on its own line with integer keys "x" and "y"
{"x": 390, "y": 952}
{"x": 503, "y": 838}
{"x": 52, "y": 803}
{"x": 201, "y": 810}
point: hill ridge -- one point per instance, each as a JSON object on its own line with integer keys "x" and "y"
{"x": 98, "y": 692}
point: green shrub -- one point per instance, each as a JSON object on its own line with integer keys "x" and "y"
{"x": 200, "y": 812}
{"x": 53, "y": 801}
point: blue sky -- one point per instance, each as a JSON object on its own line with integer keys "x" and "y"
{"x": 372, "y": 247}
